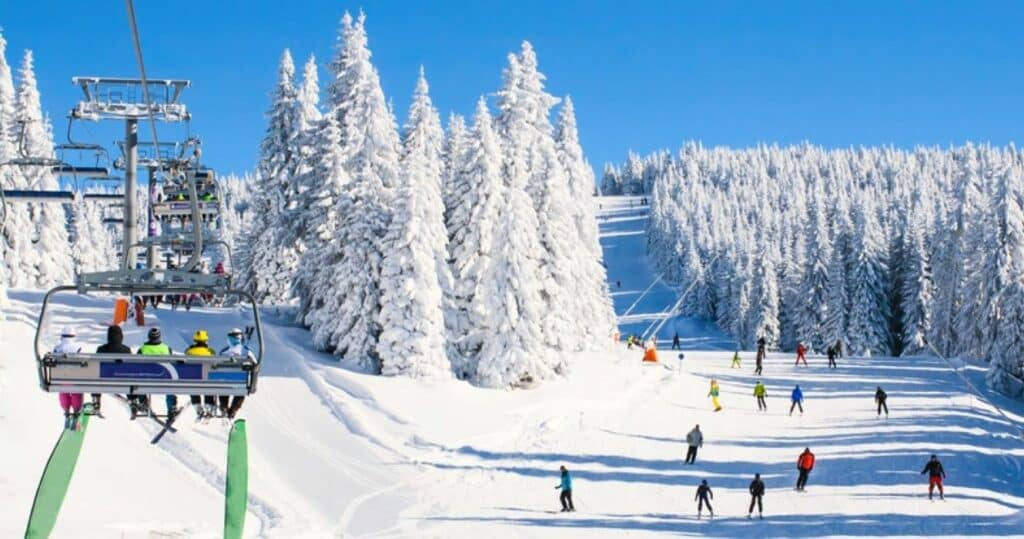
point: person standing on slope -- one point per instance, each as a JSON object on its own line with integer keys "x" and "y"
{"x": 797, "y": 398}
{"x": 71, "y": 403}
{"x": 114, "y": 345}
{"x": 566, "y": 485}
{"x": 756, "y": 494}
{"x": 880, "y": 398}
{"x": 804, "y": 464}
{"x": 675, "y": 341}
{"x": 236, "y": 349}
{"x": 694, "y": 439}
{"x": 839, "y": 348}
{"x": 832, "y": 358}
{"x": 200, "y": 347}
{"x": 759, "y": 359}
{"x": 735, "y": 360}
{"x": 801, "y": 354}
{"x": 704, "y": 497}
{"x": 760, "y": 393}
{"x": 156, "y": 347}
{"x": 715, "y": 390}
{"x": 935, "y": 476}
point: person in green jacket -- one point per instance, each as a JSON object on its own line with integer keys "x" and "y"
{"x": 760, "y": 392}
{"x": 735, "y": 360}
{"x": 155, "y": 347}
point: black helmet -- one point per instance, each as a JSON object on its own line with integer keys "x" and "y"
{"x": 154, "y": 334}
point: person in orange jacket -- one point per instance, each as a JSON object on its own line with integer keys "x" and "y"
{"x": 801, "y": 354}
{"x": 804, "y": 463}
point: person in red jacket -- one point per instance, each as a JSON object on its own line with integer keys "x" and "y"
{"x": 804, "y": 463}
{"x": 801, "y": 354}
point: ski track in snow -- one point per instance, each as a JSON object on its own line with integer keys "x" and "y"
{"x": 334, "y": 452}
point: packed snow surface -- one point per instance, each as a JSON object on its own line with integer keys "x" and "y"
{"x": 334, "y": 452}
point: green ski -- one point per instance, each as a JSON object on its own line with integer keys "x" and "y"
{"x": 236, "y": 492}
{"x": 53, "y": 485}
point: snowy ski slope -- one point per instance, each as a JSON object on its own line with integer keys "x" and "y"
{"x": 338, "y": 453}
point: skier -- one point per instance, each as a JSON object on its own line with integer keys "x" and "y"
{"x": 114, "y": 345}
{"x": 797, "y": 397}
{"x": 71, "y": 403}
{"x": 760, "y": 393}
{"x": 832, "y": 358}
{"x": 675, "y": 341}
{"x": 735, "y": 360}
{"x": 756, "y": 494}
{"x": 566, "y": 486}
{"x": 935, "y": 476}
{"x": 200, "y": 347}
{"x": 839, "y": 348}
{"x": 714, "y": 395}
{"x": 704, "y": 497}
{"x": 694, "y": 439}
{"x": 801, "y": 354}
{"x": 155, "y": 347}
{"x": 880, "y": 398}
{"x": 236, "y": 349}
{"x": 760, "y": 356}
{"x": 804, "y": 463}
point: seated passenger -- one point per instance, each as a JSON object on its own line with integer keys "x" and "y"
{"x": 71, "y": 403}
{"x": 114, "y": 345}
{"x": 237, "y": 349}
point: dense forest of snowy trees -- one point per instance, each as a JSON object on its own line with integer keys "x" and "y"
{"x": 889, "y": 251}
{"x": 415, "y": 252}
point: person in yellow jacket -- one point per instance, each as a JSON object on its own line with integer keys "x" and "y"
{"x": 201, "y": 347}
{"x": 714, "y": 395}
{"x": 735, "y": 360}
{"x": 760, "y": 393}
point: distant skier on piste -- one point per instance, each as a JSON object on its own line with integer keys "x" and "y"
{"x": 831, "y": 353}
{"x": 566, "y": 486}
{"x": 759, "y": 359}
{"x": 797, "y": 398}
{"x": 675, "y": 341}
{"x": 704, "y": 497}
{"x": 760, "y": 392}
{"x": 713, "y": 393}
{"x": 694, "y": 439}
{"x": 880, "y": 398}
{"x": 804, "y": 465}
{"x": 935, "y": 476}
{"x": 735, "y": 360}
{"x": 756, "y": 490}
{"x": 801, "y": 354}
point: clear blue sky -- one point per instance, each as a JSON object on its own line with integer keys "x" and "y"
{"x": 644, "y": 74}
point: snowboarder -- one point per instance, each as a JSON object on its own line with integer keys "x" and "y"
{"x": 71, "y": 403}
{"x": 804, "y": 463}
{"x": 704, "y": 497}
{"x": 566, "y": 486}
{"x": 675, "y": 341}
{"x": 756, "y": 494}
{"x": 801, "y": 354}
{"x": 880, "y": 398}
{"x": 735, "y": 360}
{"x": 715, "y": 390}
{"x": 797, "y": 398}
{"x": 204, "y": 407}
{"x": 935, "y": 476}
{"x": 760, "y": 393}
{"x": 114, "y": 345}
{"x": 831, "y": 352}
{"x": 155, "y": 347}
{"x": 694, "y": 439}
{"x": 236, "y": 349}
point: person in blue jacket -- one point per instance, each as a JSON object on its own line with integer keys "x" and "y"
{"x": 798, "y": 399}
{"x": 566, "y": 486}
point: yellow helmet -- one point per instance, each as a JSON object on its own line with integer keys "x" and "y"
{"x": 200, "y": 336}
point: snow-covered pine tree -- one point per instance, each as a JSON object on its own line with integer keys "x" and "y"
{"x": 513, "y": 353}
{"x": 526, "y": 127}
{"x": 1005, "y": 363}
{"x": 53, "y": 262}
{"x": 867, "y": 331}
{"x": 610, "y": 185}
{"x": 973, "y": 220}
{"x": 88, "y": 238}
{"x": 917, "y": 288}
{"x": 8, "y": 256}
{"x": 811, "y": 304}
{"x": 453, "y": 184}
{"x": 596, "y": 316}
{"x": 271, "y": 263}
{"x": 414, "y": 270}
{"x": 764, "y": 321}
{"x": 472, "y": 239}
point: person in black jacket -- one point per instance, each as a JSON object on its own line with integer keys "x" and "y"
{"x": 704, "y": 497}
{"x": 935, "y": 476}
{"x": 832, "y": 357}
{"x": 880, "y": 397}
{"x": 756, "y": 493}
{"x": 114, "y": 345}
